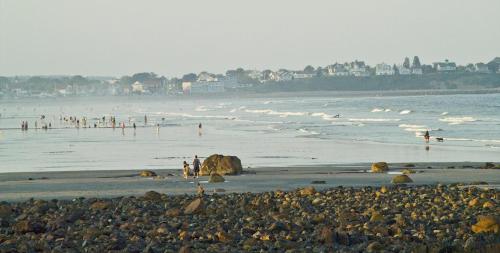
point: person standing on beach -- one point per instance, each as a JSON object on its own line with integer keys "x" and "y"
{"x": 185, "y": 170}
{"x": 145, "y": 119}
{"x": 196, "y": 166}
{"x": 427, "y": 136}
{"x": 199, "y": 129}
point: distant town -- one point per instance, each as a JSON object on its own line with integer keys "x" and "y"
{"x": 410, "y": 74}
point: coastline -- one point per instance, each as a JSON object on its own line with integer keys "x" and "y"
{"x": 20, "y": 186}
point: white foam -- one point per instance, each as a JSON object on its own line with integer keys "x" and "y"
{"x": 302, "y": 130}
{"x": 271, "y": 112}
{"x": 473, "y": 140}
{"x": 375, "y": 120}
{"x": 412, "y": 126}
{"x": 233, "y": 110}
{"x": 387, "y": 110}
{"x": 444, "y": 113}
{"x": 201, "y": 108}
{"x": 377, "y": 110}
{"x": 405, "y": 112}
{"x": 457, "y": 120}
{"x": 324, "y": 116}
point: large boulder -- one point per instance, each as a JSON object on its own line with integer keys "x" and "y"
{"x": 222, "y": 165}
{"x": 147, "y": 173}
{"x": 216, "y": 178}
{"x": 401, "y": 179}
{"x": 380, "y": 167}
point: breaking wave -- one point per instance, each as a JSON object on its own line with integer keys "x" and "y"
{"x": 457, "y": 120}
{"x": 405, "y": 112}
{"x": 375, "y": 120}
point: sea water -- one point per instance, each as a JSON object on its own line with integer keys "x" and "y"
{"x": 262, "y": 131}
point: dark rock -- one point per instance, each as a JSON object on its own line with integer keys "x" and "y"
{"x": 222, "y": 165}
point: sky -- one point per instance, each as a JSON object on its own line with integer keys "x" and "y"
{"x": 174, "y": 37}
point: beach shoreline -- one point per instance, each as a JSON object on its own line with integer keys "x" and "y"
{"x": 22, "y": 186}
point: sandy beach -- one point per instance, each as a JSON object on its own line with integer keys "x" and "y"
{"x": 104, "y": 184}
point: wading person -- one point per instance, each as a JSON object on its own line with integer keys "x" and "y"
{"x": 427, "y": 136}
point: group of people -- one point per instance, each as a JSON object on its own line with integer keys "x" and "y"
{"x": 186, "y": 170}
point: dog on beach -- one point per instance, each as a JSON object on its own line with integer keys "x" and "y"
{"x": 439, "y": 139}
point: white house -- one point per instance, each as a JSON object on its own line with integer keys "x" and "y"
{"x": 337, "y": 70}
{"x": 137, "y": 87}
{"x": 301, "y": 75}
{"x": 402, "y": 70}
{"x": 445, "y": 66}
{"x": 383, "y": 69}
{"x": 481, "y": 68}
{"x": 284, "y": 75}
{"x": 254, "y": 74}
{"x": 358, "y": 68}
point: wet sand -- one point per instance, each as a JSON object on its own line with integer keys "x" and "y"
{"x": 103, "y": 184}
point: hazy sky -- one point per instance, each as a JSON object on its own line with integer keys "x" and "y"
{"x": 99, "y": 37}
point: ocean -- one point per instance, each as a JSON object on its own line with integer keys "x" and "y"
{"x": 262, "y": 131}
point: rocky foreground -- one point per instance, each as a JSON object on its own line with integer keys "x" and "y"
{"x": 442, "y": 218}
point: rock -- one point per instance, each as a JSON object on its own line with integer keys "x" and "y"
{"x": 152, "y": 195}
{"x": 318, "y": 182}
{"x": 100, "y": 205}
{"x": 223, "y": 237}
{"x": 383, "y": 189}
{"x": 25, "y": 226}
{"x": 185, "y": 249}
{"x": 326, "y": 235}
{"x": 486, "y": 224}
{"x": 173, "y": 212}
{"x": 379, "y": 167}
{"x": 376, "y": 216}
{"x": 5, "y": 211}
{"x": 401, "y": 179}
{"x": 194, "y": 207}
{"x": 410, "y": 165}
{"x": 317, "y": 201}
{"x": 488, "y": 204}
{"x": 408, "y": 171}
{"x": 307, "y": 191}
{"x": 473, "y": 202}
{"x": 147, "y": 173}
{"x": 374, "y": 247}
{"x": 222, "y": 165}
{"x": 216, "y": 178}
{"x": 489, "y": 166}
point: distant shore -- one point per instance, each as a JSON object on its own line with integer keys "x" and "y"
{"x": 280, "y": 94}
{"x": 71, "y": 184}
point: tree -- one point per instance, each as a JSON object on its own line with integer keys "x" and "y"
{"x": 141, "y": 77}
{"x": 395, "y": 69}
{"x": 309, "y": 69}
{"x": 416, "y": 62}
{"x": 406, "y": 63}
{"x": 191, "y": 77}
